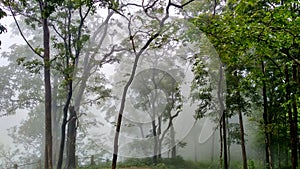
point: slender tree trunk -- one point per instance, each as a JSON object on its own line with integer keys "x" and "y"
{"x": 223, "y": 136}
{"x": 242, "y": 134}
{"x": 225, "y": 141}
{"x": 55, "y": 119}
{"x": 212, "y": 147}
{"x": 195, "y": 148}
{"x": 228, "y": 144}
{"x": 64, "y": 121}
{"x": 48, "y": 100}
{"x": 71, "y": 139}
{"x": 140, "y": 126}
{"x": 120, "y": 114}
{"x": 221, "y": 143}
{"x": 173, "y": 145}
{"x": 266, "y": 123}
{"x": 294, "y": 121}
{"x": 159, "y": 140}
{"x": 278, "y": 154}
{"x": 295, "y": 114}
{"x": 155, "y": 137}
{"x": 298, "y": 87}
{"x": 134, "y": 67}
{"x": 290, "y": 118}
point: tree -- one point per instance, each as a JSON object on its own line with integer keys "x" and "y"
{"x": 70, "y": 46}
{"x": 252, "y": 30}
{"x": 45, "y": 10}
{"x": 138, "y": 51}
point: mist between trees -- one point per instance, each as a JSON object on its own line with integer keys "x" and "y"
{"x": 154, "y": 84}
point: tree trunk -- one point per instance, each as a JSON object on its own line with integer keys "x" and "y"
{"x": 155, "y": 137}
{"x": 225, "y": 141}
{"x": 55, "y": 120}
{"x": 71, "y": 139}
{"x": 62, "y": 140}
{"x": 173, "y": 145}
{"x": 159, "y": 140}
{"x": 295, "y": 114}
{"x": 266, "y": 123}
{"x": 133, "y": 71}
{"x": 242, "y": 134}
{"x": 223, "y": 119}
{"x": 47, "y": 82}
{"x": 290, "y": 119}
{"x": 120, "y": 114}
{"x": 212, "y": 147}
{"x": 64, "y": 121}
{"x": 228, "y": 144}
{"x": 221, "y": 144}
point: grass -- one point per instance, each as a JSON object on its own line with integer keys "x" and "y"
{"x": 166, "y": 163}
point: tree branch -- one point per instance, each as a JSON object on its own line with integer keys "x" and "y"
{"x": 21, "y": 33}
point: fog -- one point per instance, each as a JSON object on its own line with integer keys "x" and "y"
{"x": 143, "y": 87}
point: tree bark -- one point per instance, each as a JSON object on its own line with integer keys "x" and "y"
{"x": 294, "y": 123}
{"x": 223, "y": 116}
{"x": 225, "y": 141}
{"x": 47, "y": 82}
{"x": 159, "y": 140}
{"x": 221, "y": 143}
{"x": 242, "y": 134}
{"x": 65, "y": 121}
{"x": 120, "y": 114}
{"x": 155, "y": 137}
{"x": 290, "y": 119}
{"x": 55, "y": 120}
{"x": 212, "y": 148}
{"x": 223, "y": 136}
{"x": 173, "y": 145}
{"x": 71, "y": 139}
{"x": 266, "y": 122}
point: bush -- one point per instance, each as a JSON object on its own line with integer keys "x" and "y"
{"x": 160, "y": 166}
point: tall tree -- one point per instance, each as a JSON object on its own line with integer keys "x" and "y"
{"x": 149, "y": 9}
{"x": 45, "y": 10}
{"x": 255, "y": 29}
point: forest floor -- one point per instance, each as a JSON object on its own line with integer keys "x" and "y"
{"x": 135, "y": 168}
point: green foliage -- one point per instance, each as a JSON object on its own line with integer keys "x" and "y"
{"x": 2, "y": 28}
{"x": 248, "y": 34}
{"x": 176, "y": 163}
{"x": 160, "y": 166}
{"x": 201, "y": 89}
{"x": 33, "y": 66}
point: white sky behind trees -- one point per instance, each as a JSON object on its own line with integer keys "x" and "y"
{"x": 6, "y": 122}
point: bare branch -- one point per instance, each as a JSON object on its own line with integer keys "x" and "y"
{"x": 56, "y": 31}
{"x": 151, "y": 6}
{"x": 180, "y": 6}
{"x": 21, "y": 33}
